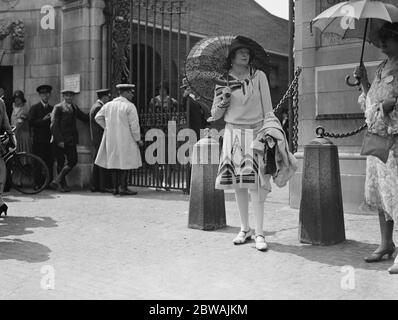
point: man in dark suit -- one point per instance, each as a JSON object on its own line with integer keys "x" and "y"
{"x": 198, "y": 113}
{"x": 39, "y": 121}
{"x": 65, "y": 137}
{"x": 100, "y": 177}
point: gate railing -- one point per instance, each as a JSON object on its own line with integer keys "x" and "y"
{"x": 148, "y": 48}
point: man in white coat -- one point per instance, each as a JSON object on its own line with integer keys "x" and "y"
{"x": 119, "y": 150}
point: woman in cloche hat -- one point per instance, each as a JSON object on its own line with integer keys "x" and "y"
{"x": 243, "y": 103}
{"x": 19, "y": 120}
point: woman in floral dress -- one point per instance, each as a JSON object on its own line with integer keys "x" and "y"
{"x": 380, "y": 104}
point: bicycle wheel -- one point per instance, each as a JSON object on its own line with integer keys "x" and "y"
{"x": 28, "y": 173}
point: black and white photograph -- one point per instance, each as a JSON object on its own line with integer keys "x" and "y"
{"x": 198, "y": 155}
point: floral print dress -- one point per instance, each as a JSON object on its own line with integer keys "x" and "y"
{"x": 381, "y": 185}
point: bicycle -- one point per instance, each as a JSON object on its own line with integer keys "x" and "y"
{"x": 26, "y": 172}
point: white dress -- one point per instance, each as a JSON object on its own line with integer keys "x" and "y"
{"x": 119, "y": 148}
{"x": 250, "y": 103}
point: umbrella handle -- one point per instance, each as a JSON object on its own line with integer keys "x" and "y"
{"x": 352, "y": 84}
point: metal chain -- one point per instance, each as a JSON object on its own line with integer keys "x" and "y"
{"x": 292, "y": 90}
{"x": 295, "y": 107}
{"x": 320, "y": 131}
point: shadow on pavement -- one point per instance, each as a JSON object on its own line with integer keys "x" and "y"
{"x": 14, "y": 196}
{"x": 349, "y": 252}
{"x": 16, "y": 249}
{"x": 22, "y": 250}
{"x": 7, "y": 199}
{"x": 17, "y": 226}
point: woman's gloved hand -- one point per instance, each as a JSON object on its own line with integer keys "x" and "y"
{"x": 226, "y": 95}
{"x": 361, "y": 74}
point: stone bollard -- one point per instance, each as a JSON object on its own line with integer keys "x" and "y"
{"x": 206, "y": 204}
{"x": 321, "y": 218}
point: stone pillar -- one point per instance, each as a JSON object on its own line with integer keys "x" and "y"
{"x": 206, "y": 204}
{"x": 321, "y": 218}
{"x": 81, "y": 54}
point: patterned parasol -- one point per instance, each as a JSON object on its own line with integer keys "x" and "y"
{"x": 206, "y": 63}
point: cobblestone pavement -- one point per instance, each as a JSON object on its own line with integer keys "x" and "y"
{"x": 105, "y": 247}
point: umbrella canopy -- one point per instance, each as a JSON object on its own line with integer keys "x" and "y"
{"x": 356, "y": 19}
{"x": 206, "y": 62}
{"x": 348, "y": 19}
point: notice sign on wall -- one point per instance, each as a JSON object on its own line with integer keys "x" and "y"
{"x": 72, "y": 83}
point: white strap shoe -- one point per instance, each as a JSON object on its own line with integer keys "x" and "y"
{"x": 242, "y": 237}
{"x": 261, "y": 245}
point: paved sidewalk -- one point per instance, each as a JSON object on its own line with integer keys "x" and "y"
{"x": 101, "y": 246}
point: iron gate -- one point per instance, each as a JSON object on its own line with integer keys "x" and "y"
{"x": 148, "y": 47}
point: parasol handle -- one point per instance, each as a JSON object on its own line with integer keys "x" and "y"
{"x": 358, "y": 80}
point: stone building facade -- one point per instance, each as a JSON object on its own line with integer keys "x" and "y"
{"x": 61, "y": 38}
{"x": 67, "y": 42}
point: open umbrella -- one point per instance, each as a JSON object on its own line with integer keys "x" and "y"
{"x": 206, "y": 63}
{"x": 356, "y": 19}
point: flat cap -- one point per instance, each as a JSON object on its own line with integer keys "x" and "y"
{"x": 44, "y": 88}
{"x": 103, "y": 91}
{"x": 67, "y": 91}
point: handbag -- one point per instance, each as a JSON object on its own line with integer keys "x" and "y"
{"x": 378, "y": 146}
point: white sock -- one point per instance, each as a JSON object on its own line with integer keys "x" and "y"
{"x": 242, "y": 199}
{"x": 258, "y": 210}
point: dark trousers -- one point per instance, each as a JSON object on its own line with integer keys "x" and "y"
{"x": 45, "y": 152}
{"x": 100, "y": 177}
{"x": 66, "y": 160}
{"x": 119, "y": 179}
{"x": 66, "y": 156}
